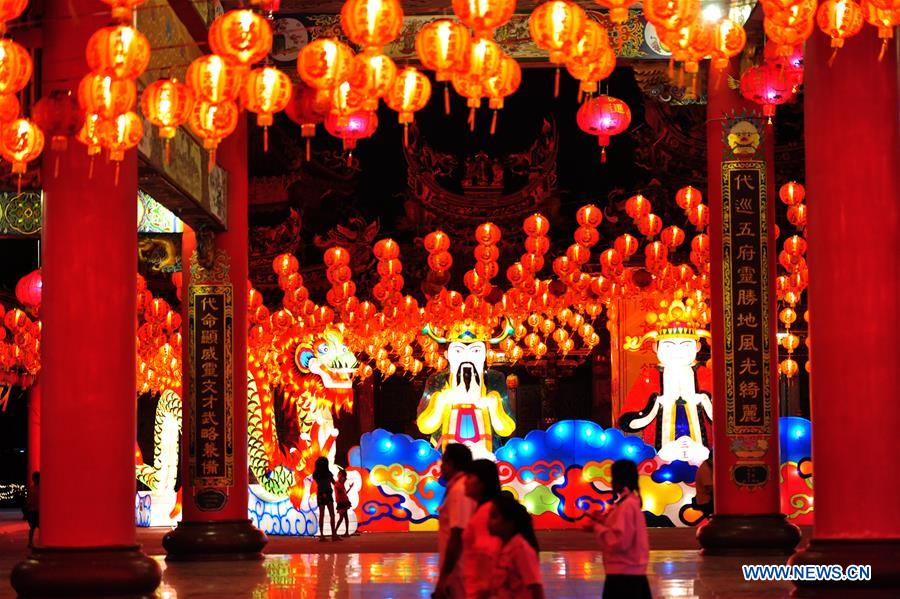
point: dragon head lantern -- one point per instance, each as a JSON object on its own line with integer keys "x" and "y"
{"x": 667, "y": 403}
{"x": 326, "y": 357}
{"x": 466, "y": 403}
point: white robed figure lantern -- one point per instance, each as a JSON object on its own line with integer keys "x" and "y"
{"x": 670, "y": 403}
{"x": 466, "y": 403}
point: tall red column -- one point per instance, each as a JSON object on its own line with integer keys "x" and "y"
{"x": 215, "y": 524}
{"x": 741, "y": 196}
{"x": 853, "y": 186}
{"x": 34, "y": 429}
{"x": 89, "y": 259}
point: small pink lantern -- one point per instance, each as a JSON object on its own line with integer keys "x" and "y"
{"x": 604, "y": 116}
{"x": 28, "y": 291}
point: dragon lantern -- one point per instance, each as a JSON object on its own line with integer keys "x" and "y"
{"x": 466, "y": 403}
{"x": 667, "y": 403}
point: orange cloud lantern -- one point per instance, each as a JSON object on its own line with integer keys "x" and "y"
{"x": 241, "y": 35}
{"x": 213, "y": 123}
{"x": 120, "y": 51}
{"x": 167, "y": 104}
{"x": 266, "y": 91}
{"x": 372, "y": 23}
{"x": 409, "y": 94}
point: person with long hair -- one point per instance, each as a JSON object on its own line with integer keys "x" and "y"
{"x": 517, "y": 571}
{"x": 325, "y": 496}
{"x": 341, "y": 490}
{"x": 453, "y": 517}
{"x": 622, "y": 534}
{"x": 480, "y": 547}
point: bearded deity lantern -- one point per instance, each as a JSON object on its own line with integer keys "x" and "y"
{"x": 467, "y": 403}
{"x": 668, "y": 403}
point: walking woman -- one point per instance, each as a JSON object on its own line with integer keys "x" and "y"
{"x": 480, "y": 548}
{"x": 325, "y": 496}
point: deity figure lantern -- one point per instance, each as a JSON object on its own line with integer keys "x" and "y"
{"x": 467, "y": 403}
{"x": 670, "y": 403}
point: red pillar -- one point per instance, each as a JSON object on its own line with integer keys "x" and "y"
{"x": 215, "y": 524}
{"x": 89, "y": 259}
{"x": 853, "y": 185}
{"x": 745, "y": 426}
{"x": 34, "y": 429}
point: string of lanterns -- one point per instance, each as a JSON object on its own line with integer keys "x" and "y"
{"x": 790, "y": 285}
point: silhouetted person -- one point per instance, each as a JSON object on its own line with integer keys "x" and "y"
{"x": 343, "y": 501}
{"x": 517, "y": 570}
{"x": 480, "y": 547}
{"x": 453, "y": 516}
{"x": 32, "y": 506}
{"x": 703, "y": 499}
{"x": 325, "y": 496}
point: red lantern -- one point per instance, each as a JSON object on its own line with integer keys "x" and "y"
{"x": 350, "y": 129}
{"x": 792, "y": 193}
{"x": 372, "y": 23}
{"x": 839, "y": 19}
{"x": 443, "y": 47}
{"x": 604, "y": 116}
{"x": 9, "y": 10}
{"x": 122, "y": 10}
{"x": 120, "y": 51}
{"x": 535, "y": 225}
{"x": 17, "y": 67}
{"x": 167, "y": 104}
{"x": 688, "y": 197}
{"x": 213, "y": 123}
{"x": 9, "y": 108}
{"x": 28, "y": 290}
{"x": 59, "y": 116}
{"x": 483, "y": 16}
{"x": 21, "y": 141}
{"x": 214, "y": 79}
{"x": 325, "y": 63}
{"x": 765, "y": 85}
{"x": 308, "y": 107}
{"x": 241, "y": 35}
{"x": 266, "y": 91}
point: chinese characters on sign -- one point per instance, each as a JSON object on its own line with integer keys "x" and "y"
{"x": 745, "y": 241}
{"x": 211, "y": 450}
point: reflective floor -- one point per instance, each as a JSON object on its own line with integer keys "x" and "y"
{"x": 575, "y": 574}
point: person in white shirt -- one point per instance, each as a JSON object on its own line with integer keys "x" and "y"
{"x": 480, "y": 547}
{"x": 517, "y": 573}
{"x": 453, "y": 516}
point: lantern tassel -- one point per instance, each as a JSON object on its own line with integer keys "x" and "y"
{"x": 446, "y": 98}
{"x": 694, "y": 84}
{"x": 168, "y": 152}
{"x": 308, "y": 148}
{"x": 116, "y": 176}
{"x": 603, "y": 155}
{"x": 91, "y": 168}
{"x": 494, "y": 122}
{"x": 349, "y": 158}
{"x": 833, "y": 56}
{"x": 265, "y": 139}
{"x": 680, "y": 76}
{"x": 884, "y": 45}
{"x": 56, "y": 166}
{"x": 556, "y": 84}
{"x": 19, "y": 184}
{"x": 212, "y": 160}
{"x": 472, "y": 119}
{"x": 405, "y": 135}
{"x": 671, "y": 69}
{"x": 580, "y": 95}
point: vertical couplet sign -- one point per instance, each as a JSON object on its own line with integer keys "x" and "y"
{"x": 748, "y": 400}
{"x": 211, "y": 451}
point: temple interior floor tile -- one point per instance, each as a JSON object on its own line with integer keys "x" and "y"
{"x": 401, "y": 565}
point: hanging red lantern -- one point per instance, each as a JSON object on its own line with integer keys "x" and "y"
{"x": 688, "y": 197}
{"x": 443, "y": 46}
{"x": 649, "y": 225}
{"x": 120, "y": 134}
{"x": 557, "y": 26}
{"x": 213, "y": 123}
{"x": 28, "y": 290}
{"x": 488, "y": 234}
{"x": 16, "y": 67}
{"x": 766, "y": 86}
{"x": 839, "y": 19}
{"x": 604, "y": 116}
{"x": 502, "y": 85}
{"x": 21, "y": 141}
{"x": 167, "y": 104}
{"x": 242, "y": 36}
{"x": 89, "y": 135}
{"x": 409, "y": 94}
{"x": 374, "y": 76}
{"x": 123, "y": 10}
{"x": 325, "y": 63}
{"x": 885, "y": 19}
{"x": 59, "y": 116}
{"x": 670, "y": 15}
{"x": 626, "y": 245}
{"x": 266, "y": 91}
{"x": 308, "y": 107}
{"x": 9, "y": 10}
{"x": 792, "y": 193}
{"x": 105, "y": 96}
{"x": 594, "y": 72}
{"x": 618, "y": 9}
{"x": 728, "y": 40}
{"x": 672, "y": 236}
{"x": 483, "y": 16}
{"x": 214, "y": 79}
{"x": 120, "y": 51}
{"x": 788, "y": 37}
{"x": 359, "y": 125}
{"x": 372, "y": 23}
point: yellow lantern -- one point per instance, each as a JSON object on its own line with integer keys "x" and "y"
{"x": 267, "y": 91}
{"x": 15, "y": 67}
{"x": 325, "y": 63}
{"x": 21, "y": 141}
{"x": 501, "y": 85}
{"x": 241, "y": 35}
{"x": 167, "y": 104}
{"x": 483, "y": 16}
{"x": 618, "y": 9}
{"x": 372, "y": 23}
{"x": 409, "y": 93}
{"x": 839, "y": 19}
{"x": 105, "y": 96}
{"x": 591, "y": 74}
{"x": 120, "y": 51}
{"x": 374, "y": 75}
{"x": 214, "y": 79}
{"x": 213, "y": 123}
{"x": 728, "y": 40}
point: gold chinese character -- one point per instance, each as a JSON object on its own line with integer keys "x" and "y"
{"x": 746, "y": 274}
{"x": 209, "y": 418}
{"x": 210, "y": 467}
{"x": 210, "y": 450}
{"x": 749, "y": 414}
{"x": 208, "y": 387}
{"x": 748, "y": 366}
{"x": 210, "y": 369}
{"x": 209, "y": 433}
{"x": 745, "y": 229}
{"x": 209, "y": 303}
{"x": 748, "y": 343}
{"x": 746, "y": 252}
{"x": 747, "y": 297}
{"x": 748, "y": 389}
{"x": 209, "y": 337}
{"x": 747, "y": 320}
{"x": 209, "y": 320}
{"x": 208, "y": 402}
{"x": 744, "y": 181}
{"x": 744, "y": 206}
{"x": 209, "y": 353}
